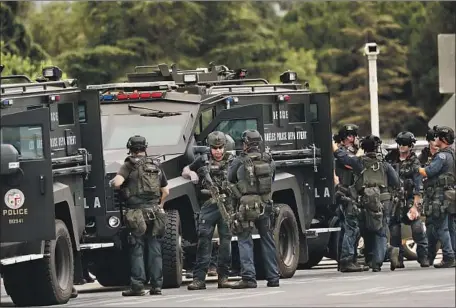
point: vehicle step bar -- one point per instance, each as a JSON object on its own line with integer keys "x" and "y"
{"x": 298, "y": 162}
{"x": 72, "y": 170}
{"x": 69, "y": 160}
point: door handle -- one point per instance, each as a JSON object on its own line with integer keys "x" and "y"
{"x": 42, "y": 184}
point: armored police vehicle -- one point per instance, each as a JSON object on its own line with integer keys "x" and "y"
{"x": 176, "y": 110}
{"x": 44, "y": 166}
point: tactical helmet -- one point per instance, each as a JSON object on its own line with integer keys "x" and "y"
{"x": 370, "y": 143}
{"x": 251, "y": 137}
{"x": 230, "y": 144}
{"x": 430, "y": 135}
{"x": 347, "y": 130}
{"x": 444, "y": 133}
{"x": 216, "y": 139}
{"x": 405, "y": 138}
{"x": 137, "y": 143}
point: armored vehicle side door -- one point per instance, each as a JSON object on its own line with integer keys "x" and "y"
{"x": 27, "y": 206}
{"x": 91, "y": 139}
{"x": 234, "y": 121}
{"x": 320, "y": 119}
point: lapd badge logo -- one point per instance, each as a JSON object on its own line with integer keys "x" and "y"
{"x": 14, "y": 199}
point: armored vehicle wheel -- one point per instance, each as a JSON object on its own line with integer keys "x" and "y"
{"x": 172, "y": 251}
{"x": 315, "y": 256}
{"x": 334, "y": 240}
{"x": 47, "y": 281}
{"x": 111, "y": 267}
{"x": 286, "y": 236}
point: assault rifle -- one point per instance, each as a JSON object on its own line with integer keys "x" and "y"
{"x": 347, "y": 196}
{"x": 213, "y": 188}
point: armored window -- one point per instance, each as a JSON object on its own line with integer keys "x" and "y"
{"x": 235, "y": 128}
{"x": 267, "y": 114}
{"x": 28, "y": 140}
{"x": 82, "y": 112}
{"x": 159, "y": 132}
{"x": 66, "y": 113}
{"x": 313, "y": 112}
{"x": 205, "y": 119}
{"x": 296, "y": 113}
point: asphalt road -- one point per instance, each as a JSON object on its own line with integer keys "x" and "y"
{"x": 319, "y": 287}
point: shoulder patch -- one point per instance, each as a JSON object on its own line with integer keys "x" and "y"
{"x": 441, "y": 156}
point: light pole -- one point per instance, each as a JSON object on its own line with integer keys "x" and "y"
{"x": 371, "y": 51}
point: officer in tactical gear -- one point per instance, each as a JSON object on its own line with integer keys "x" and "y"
{"x": 144, "y": 188}
{"x": 406, "y": 204}
{"x": 212, "y": 171}
{"x": 347, "y": 137}
{"x": 253, "y": 173}
{"x": 427, "y": 153}
{"x": 438, "y": 204}
{"x": 373, "y": 177}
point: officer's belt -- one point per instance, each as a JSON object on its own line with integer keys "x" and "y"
{"x": 441, "y": 181}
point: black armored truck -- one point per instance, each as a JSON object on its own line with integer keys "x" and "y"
{"x": 175, "y": 110}
{"x": 44, "y": 168}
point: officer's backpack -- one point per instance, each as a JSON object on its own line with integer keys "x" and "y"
{"x": 369, "y": 185}
{"x": 144, "y": 179}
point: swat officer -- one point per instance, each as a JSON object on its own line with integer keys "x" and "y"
{"x": 372, "y": 178}
{"x": 253, "y": 173}
{"x": 427, "y": 153}
{"x": 144, "y": 189}
{"x": 212, "y": 171}
{"x": 439, "y": 177}
{"x": 347, "y": 137}
{"x": 406, "y": 207}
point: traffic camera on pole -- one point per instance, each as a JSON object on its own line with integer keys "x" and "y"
{"x": 371, "y": 51}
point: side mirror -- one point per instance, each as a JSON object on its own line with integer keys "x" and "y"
{"x": 9, "y": 159}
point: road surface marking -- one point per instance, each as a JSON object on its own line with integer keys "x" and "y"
{"x": 249, "y": 295}
{"x": 358, "y": 292}
{"x": 153, "y": 298}
{"x": 445, "y": 288}
{"x": 207, "y": 296}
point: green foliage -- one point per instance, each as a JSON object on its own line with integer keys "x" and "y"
{"x": 99, "y": 42}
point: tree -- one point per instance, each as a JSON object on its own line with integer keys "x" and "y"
{"x": 349, "y": 82}
{"x": 423, "y": 60}
{"x": 16, "y": 39}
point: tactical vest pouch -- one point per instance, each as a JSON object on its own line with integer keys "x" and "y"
{"x": 250, "y": 208}
{"x": 263, "y": 174}
{"x": 373, "y": 208}
{"x": 449, "y": 201}
{"x": 159, "y": 223}
{"x": 134, "y": 220}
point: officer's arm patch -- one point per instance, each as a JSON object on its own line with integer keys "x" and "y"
{"x": 441, "y": 156}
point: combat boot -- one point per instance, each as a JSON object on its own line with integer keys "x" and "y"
{"x": 244, "y": 284}
{"x": 212, "y": 272}
{"x": 155, "y": 291}
{"x": 132, "y": 292}
{"x": 74, "y": 293}
{"x": 223, "y": 283}
{"x": 350, "y": 267}
{"x": 424, "y": 262}
{"x": 393, "y": 253}
{"x": 197, "y": 285}
{"x": 445, "y": 264}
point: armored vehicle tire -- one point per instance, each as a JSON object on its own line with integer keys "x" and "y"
{"x": 172, "y": 251}
{"x": 286, "y": 237}
{"x": 111, "y": 267}
{"x": 315, "y": 256}
{"x": 46, "y": 281}
{"x": 335, "y": 240}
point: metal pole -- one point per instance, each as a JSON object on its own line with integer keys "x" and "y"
{"x": 371, "y": 51}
